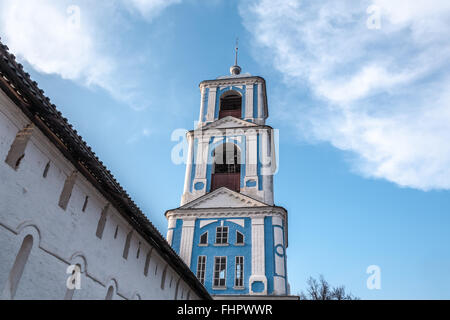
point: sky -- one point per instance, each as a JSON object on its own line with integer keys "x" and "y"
{"x": 360, "y": 91}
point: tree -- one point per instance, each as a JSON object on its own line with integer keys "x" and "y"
{"x": 321, "y": 290}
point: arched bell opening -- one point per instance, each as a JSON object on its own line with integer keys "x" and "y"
{"x": 226, "y": 167}
{"x": 231, "y": 104}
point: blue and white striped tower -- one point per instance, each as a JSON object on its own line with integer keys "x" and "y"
{"x": 228, "y": 230}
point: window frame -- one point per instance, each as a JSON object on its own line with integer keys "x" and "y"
{"x": 223, "y": 239}
{"x": 200, "y": 240}
{"x": 241, "y": 278}
{"x": 243, "y": 239}
{"x": 218, "y": 271}
{"x": 201, "y": 277}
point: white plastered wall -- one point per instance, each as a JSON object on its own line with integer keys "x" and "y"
{"x": 29, "y": 205}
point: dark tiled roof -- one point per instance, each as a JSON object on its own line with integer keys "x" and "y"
{"x": 26, "y": 94}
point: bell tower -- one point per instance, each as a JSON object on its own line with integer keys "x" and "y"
{"x": 227, "y": 229}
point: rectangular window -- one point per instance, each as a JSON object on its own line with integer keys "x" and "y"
{"x": 222, "y": 235}
{"x": 201, "y": 269}
{"x": 239, "y": 273}
{"x": 220, "y": 272}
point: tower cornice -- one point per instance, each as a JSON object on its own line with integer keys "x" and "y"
{"x": 227, "y": 132}
{"x": 231, "y": 81}
{"x": 227, "y": 211}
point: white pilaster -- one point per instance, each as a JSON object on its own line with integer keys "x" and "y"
{"x": 202, "y": 106}
{"x": 260, "y": 115}
{"x": 258, "y": 256}
{"x": 251, "y": 161}
{"x": 171, "y": 225}
{"x": 280, "y": 256}
{"x": 187, "y": 240}
{"x": 249, "y": 102}
{"x": 251, "y": 166}
{"x": 267, "y": 159}
{"x": 211, "y": 104}
{"x": 187, "y": 179}
{"x": 201, "y": 164}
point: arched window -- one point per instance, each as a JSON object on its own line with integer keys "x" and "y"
{"x": 227, "y": 167}
{"x": 230, "y": 104}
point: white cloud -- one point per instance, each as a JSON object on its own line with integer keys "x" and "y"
{"x": 42, "y": 33}
{"x": 58, "y": 37}
{"x": 151, "y": 8}
{"x": 382, "y": 94}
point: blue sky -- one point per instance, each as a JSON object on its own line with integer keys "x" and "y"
{"x": 361, "y": 98}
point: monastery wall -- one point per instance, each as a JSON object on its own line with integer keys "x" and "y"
{"x": 51, "y": 218}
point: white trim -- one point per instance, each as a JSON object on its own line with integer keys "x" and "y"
{"x": 258, "y": 255}
{"x": 246, "y": 200}
{"x": 187, "y": 239}
{"x": 204, "y": 223}
{"x": 217, "y": 213}
{"x": 249, "y": 102}
{"x": 210, "y": 116}
{"x": 187, "y": 178}
{"x": 224, "y": 124}
{"x": 202, "y": 105}
{"x": 260, "y": 104}
{"x": 246, "y": 79}
{"x": 239, "y": 222}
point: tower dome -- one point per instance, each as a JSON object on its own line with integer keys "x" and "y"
{"x": 235, "y": 70}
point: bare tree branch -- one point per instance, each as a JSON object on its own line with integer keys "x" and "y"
{"x": 322, "y": 290}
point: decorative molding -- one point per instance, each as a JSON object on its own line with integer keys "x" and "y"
{"x": 224, "y": 123}
{"x": 237, "y": 139}
{"x": 245, "y": 200}
{"x": 239, "y": 222}
{"x": 213, "y": 213}
{"x": 205, "y": 223}
{"x": 231, "y": 82}
{"x": 231, "y": 131}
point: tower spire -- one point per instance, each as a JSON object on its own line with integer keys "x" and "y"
{"x": 236, "y": 70}
{"x": 237, "y": 51}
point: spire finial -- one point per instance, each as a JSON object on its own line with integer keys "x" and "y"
{"x": 236, "y": 70}
{"x": 237, "y": 51}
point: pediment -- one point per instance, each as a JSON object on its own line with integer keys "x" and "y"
{"x": 224, "y": 198}
{"x": 229, "y": 122}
